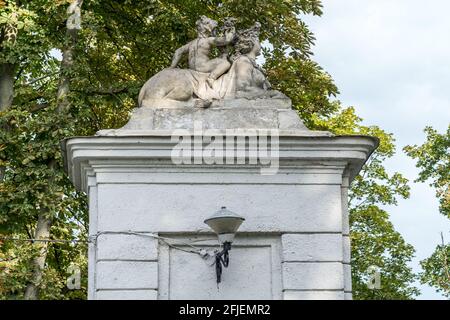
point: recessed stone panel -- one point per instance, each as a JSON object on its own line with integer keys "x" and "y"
{"x": 127, "y": 275}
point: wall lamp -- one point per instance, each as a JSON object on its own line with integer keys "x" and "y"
{"x": 224, "y": 223}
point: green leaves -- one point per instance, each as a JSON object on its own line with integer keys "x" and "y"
{"x": 433, "y": 160}
{"x": 374, "y": 185}
{"x": 375, "y": 243}
{"x": 23, "y": 35}
{"x": 309, "y": 87}
{"x": 436, "y": 269}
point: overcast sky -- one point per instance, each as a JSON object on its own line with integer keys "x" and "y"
{"x": 391, "y": 60}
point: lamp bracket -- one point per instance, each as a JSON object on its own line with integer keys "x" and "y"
{"x": 222, "y": 258}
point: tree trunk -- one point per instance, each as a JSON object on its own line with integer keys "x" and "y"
{"x": 44, "y": 223}
{"x": 8, "y": 34}
{"x": 7, "y": 71}
{"x": 73, "y": 27}
{"x": 42, "y": 232}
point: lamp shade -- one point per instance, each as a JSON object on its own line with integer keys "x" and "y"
{"x": 224, "y": 221}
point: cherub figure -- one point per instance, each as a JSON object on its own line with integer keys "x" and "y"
{"x": 200, "y": 48}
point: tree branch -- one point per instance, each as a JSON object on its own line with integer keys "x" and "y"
{"x": 103, "y": 93}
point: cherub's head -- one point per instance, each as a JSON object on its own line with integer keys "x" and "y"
{"x": 248, "y": 41}
{"x": 205, "y": 26}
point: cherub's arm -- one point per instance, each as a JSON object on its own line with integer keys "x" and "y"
{"x": 225, "y": 40}
{"x": 178, "y": 54}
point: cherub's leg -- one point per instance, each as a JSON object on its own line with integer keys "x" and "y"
{"x": 220, "y": 69}
{"x": 208, "y": 66}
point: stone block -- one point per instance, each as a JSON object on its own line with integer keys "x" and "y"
{"x": 289, "y": 119}
{"x": 346, "y": 248}
{"x": 347, "y": 277}
{"x": 313, "y": 276}
{"x": 127, "y": 295}
{"x": 127, "y": 275}
{"x": 312, "y": 247}
{"x": 126, "y": 247}
{"x": 313, "y": 295}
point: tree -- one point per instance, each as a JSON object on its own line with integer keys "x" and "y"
{"x": 433, "y": 160}
{"x": 35, "y": 193}
{"x": 375, "y": 243}
{"x": 119, "y": 47}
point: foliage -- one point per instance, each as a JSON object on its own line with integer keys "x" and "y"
{"x": 436, "y": 270}
{"x": 28, "y": 143}
{"x": 122, "y": 44}
{"x": 374, "y": 239}
{"x": 304, "y": 81}
{"x": 433, "y": 160}
{"x": 376, "y": 243}
{"x": 15, "y": 269}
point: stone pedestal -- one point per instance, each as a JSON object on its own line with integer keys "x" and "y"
{"x": 294, "y": 243}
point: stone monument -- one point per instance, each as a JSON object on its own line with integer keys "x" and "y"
{"x": 210, "y": 136}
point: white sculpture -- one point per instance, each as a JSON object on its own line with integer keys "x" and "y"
{"x": 208, "y": 79}
{"x": 200, "y": 49}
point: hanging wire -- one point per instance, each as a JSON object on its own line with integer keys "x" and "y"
{"x": 43, "y": 240}
{"x": 93, "y": 239}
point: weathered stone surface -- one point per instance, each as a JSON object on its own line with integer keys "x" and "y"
{"x": 258, "y": 103}
{"x": 133, "y": 185}
{"x": 127, "y": 295}
{"x": 237, "y": 118}
{"x": 235, "y": 103}
{"x": 141, "y": 119}
{"x": 92, "y": 248}
{"x": 173, "y": 119}
{"x": 252, "y": 273}
{"x": 345, "y": 215}
{"x": 313, "y": 295}
{"x": 347, "y": 278}
{"x": 289, "y": 119}
{"x": 313, "y": 276}
{"x": 154, "y": 148}
{"x": 183, "y": 207}
{"x": 312, "y": 247}
{"x": 127, "y": 275}
{"x": 126, "y": 247}
{"x": 229, "y": 114}
{"x": 347, "y": 249}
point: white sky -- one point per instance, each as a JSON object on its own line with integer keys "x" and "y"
{"x": 391, "y": 60}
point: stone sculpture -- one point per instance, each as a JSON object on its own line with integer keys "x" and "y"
{"x": 224, "y": 77}
{"x": 210, "y": 135}
{"x": 226, "y": 91}
{"x": 200, "y": 49}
